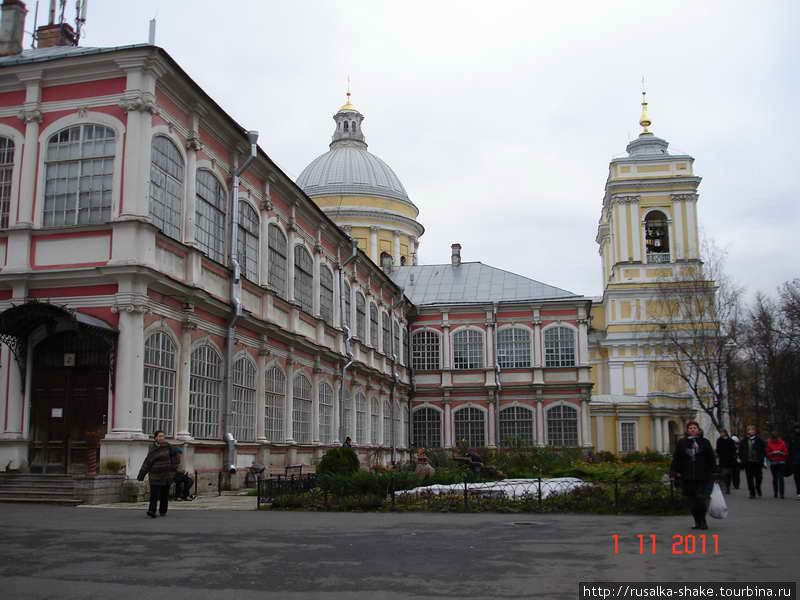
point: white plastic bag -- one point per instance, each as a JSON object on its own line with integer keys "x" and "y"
{"x": 718, "y": 508}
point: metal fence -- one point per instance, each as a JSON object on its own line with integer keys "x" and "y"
{"x": 269, "y": 490}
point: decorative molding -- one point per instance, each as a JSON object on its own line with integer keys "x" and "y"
{"x": 132, "y": 307}
{"x": 138, "y": 101}
{"x": 193, "y": 142}
{"x": 30, "y": 115}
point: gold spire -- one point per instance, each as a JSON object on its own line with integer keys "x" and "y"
{"x": 347, "y": 105}
{"x": 644, "y": 120}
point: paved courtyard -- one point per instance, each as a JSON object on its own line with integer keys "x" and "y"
{"x": 199, "y": 553}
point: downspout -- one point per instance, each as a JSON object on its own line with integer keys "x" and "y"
{"x": 394, "y": 382}
{"x": 236, "y": 302}
{"x": 497, "y": 378}
{"x": 347, "y": 337}
{"x": 412, "y": 386}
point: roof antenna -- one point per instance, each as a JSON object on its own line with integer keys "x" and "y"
{"x": 80, "y": 18}
{"x": 151, "y": 38}
{"x": 35, "y": 23}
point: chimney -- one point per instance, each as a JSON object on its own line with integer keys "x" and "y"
{"x": 455, "y": 259}
{"x": 12, "y": 27}
{"x": 56, "y": 34}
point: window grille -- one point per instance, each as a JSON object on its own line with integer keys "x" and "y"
{"x": 6, "y": 171}
{"x": 166, "y": 187}
{"x": 277, "y": 259}
{"x": 247, "y": 243}
{"x": 304, "y": 279}
{"x": 513, "y": 348}
{"x": 386, "y": 338}
{"x": 628, "y": 437}
{"x": 559, "y": 347}
{"x": 79, "y": 168}
{"x": 427, "y": 424}
{"x": 347, "y": 413}
{"x": 158, "y": 406}
{"x": 205, "y": 393}
{"x": 425, "y": 350}
{"x": 301, "y": 411}
{"x": 468, "y": 349}
{"x": 373, "y": 325}
{"x": 326, "y": 294}
{"x": 243, "y": 408}
{"x": 361, "y": 317}
{"x": 562, "y": 426}
{"x": 325, "y": 413}
{"x": 405, "y": 432}
{"x": 469, "y": 426}
{"x": 387, "y": 423}
{"x": 361, "y": 419}
{"x": 348, "y": 315}
{"x": 209, "y": 222}
{"x": 375, "y": 422}
{"x": 516, "y": 427}
{"x": 397, "y": 422}
{"x": 275, "y": 400}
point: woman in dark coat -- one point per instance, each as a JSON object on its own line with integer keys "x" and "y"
{"x": 161, "y": 464}
{"x": 726, "y": 454}
{"x": 694, "y": 466}
{"x": 794, "y": 458}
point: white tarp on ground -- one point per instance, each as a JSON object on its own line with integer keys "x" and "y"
{"x": 510, "y": 488}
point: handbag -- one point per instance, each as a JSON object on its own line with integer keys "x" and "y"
{"x": 718, "y": 509}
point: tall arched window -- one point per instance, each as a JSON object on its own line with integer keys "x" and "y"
{"x": 301, "y": 411}
{"x": 209, "y": 219}
{"x": 404, "y": 354}
{"x": 303, "y": 278}
{"x": 559, "y": 347}
{"x": 158, "y": 405}
{"x": 275, "y": 401}
{"x": 247, "y": 242}
{"x": 373, "y": 325}
{"x": 375, "y": 421}
{"x": 386, "y": 338}
{"x": 347, "y": 413}
{"x": 361, "y": 317}
{"x": 326, "y": 294}
{"x": 277, "y": 254}
{"x": 325, "y": 413}
{"x": 427, "y": 424}
{"x": 405, "y": 432}
{"x": 470, "y": 426}
{"x": 656, "y": 237}
{"x": 395, "y": 340}
{"x": 398, "y": 443}
{"x": 562, "y": 426}
{"x": 6, "y": 171}
{"x": 205, "y": 393}
{"x": 361, "y": 419}
{"x": 347, "y": 318}
{"x": 79, "y": 168}
{"x": 425, "y": 350}
{"x": 516, "y": 427}
{"x": 468, "y": 349}
{"x": 513, "y": 348}
{"x": 243, "y": 425}
{"x": 387, "y": 423}
{"x": 166, "y": 187}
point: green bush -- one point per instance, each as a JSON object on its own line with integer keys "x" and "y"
{"x": 649, "y": 456}
{"x": 604, "y": 456}
{"x": 339, "y": 461}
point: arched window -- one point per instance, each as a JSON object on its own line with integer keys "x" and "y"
{"x": 427, "y": 424}
{"x": 513, "y": 348}
{"x": 6, "y": 171}
{"x": 562, "y": 426}
{"x": 205, "y": 393}
{"x": 386, "y": 338}
{"x": 559, "y": 347}
{"x": 375, "y": 421}
{"x": 303, "y": 278}
{"x": 247, "y": 242}
{"x": 386, "y": 260}
{"x": 166, "y": 187}
{"x": 361, "y": 317}
{"x": 325, "y": 413}
{"x": 404, "y": 354}
{"x": 656, "y": 236}
{"x": 373, "y": 325}
{"x": 209, "y": 220}
{"x": 361, "y": 419}
{"x": 347, "y": 413}
{"x": 387, "y": 423}
{"x": 158, "y": 405}
{"x": 348, "y": 315}
{"x": 301, "y": 410}
{"x": 346, "y": 126}
{"x": 468, "y": 349}
{"x": 243, "y": 422}
{"x": 516, "y": 427}
{"x": 277, "y": 259}
{"x": 79, "y": 167}
{"x": 404, "y": 429}
{"x": 398, "y": 439}
{"x": 470, "y": 426}
{"x": 326, "y": 294}
{"x": 425, "y": 350}
{"x": 275, "y": 401}
{"x": 395, "y": 340}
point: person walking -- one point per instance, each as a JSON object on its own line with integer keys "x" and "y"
{"x": 777, "y": 453}
{"x": 161, "y": 464}
{"x": 726, "y": 455}
{"x": 751, "y": 452}
{"x": 695, "y": 468}
{"x": 794, "y": 458}
{"x": 737, "y": 469}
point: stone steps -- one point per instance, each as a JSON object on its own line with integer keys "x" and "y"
{"x": 41, "y": 488}
{"x": 40, "y": 500}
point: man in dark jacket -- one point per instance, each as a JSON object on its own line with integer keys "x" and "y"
{"x": 694, "y": 466}
{"x": 794, "y": 458}
{"x": 161, "y": 464}
{"x": 751, "y": 452}
{"x": 726, "y": 455}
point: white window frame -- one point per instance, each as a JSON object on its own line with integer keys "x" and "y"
{"x": 516, "y": 362}
{"x": 206, "y": 368}
{"x": 484, "y": 412}
{"x": 275, "y": 401}
{"x": 278, "y": 281}
{"x": 561, "y": 363}
{"x": 620, "y": 435}
{"x": 516, "y": 406}
{"x": 164, "y": 382}
{"x": 302, "y": 409}
{"x": 325, "y": 415}
{"x": 577, "y": 424}
{"x": 243, "y": 407}
{"x": 427, "y": 426}
{"x": 482, "y": 354}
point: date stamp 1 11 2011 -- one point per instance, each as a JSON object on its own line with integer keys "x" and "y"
{"x": 647, "y": 543}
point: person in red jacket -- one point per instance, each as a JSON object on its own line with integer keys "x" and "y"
{"x": 777, "y": 453}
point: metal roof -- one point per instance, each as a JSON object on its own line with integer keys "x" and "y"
{"x": 471, "y": 282}
{"x": 53, "y": 52}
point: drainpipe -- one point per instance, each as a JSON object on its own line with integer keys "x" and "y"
{"x": 497, "y": 378}
{"x": 412, "y": 386}
{"x": 394, "y": 382}
{"x": 347, "y": 336}
{"x": 236, "y": 302}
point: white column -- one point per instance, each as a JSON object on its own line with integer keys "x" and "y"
{"x": 193, "y": 146}
{"x": 32, "y": 117}
{"x": 586, "y": 423}
{"x": 416, "y": 250}
{"x": 583, "y": 342}
{"x": 290, "y": 261}
{"x": 288, "y": 434}
{"x": 676, "y": 244}
{"x": 338, "y": 321}
{"x": 446, "y": 363}
{"x": 691, "y": 226}
{"x": 538, "y": 349}
{"x": 636, "y": 228}
{"x": 129, "y": 391}
{"x": 621, "y": 226}
{"x": 665, "y": 433}
{"x": 184, "y": 380}
{"x": 540, "y": 441}
{"x": 13, "y": 414}
{"x": 601, "y": 431}
{"x": 138, "y": 101}
{"x": 490, "y": 428}
{"x": 658, "y": 430}
{"x": 396, "y": 246}
{"x": 373, "y": 243}
{"x": 448, "y": 424}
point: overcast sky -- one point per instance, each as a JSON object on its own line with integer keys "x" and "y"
{"x": 500, "y": 118}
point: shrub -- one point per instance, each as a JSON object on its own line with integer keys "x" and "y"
{"x": 604, "y": 456}
{"x": 339, "y": 461}
{"x": 112, "y": 465}
{"x": 648, "y": 456}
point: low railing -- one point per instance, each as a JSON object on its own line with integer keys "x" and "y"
{"x": 270, "y": 489}
{"x": 656, "y": 258}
